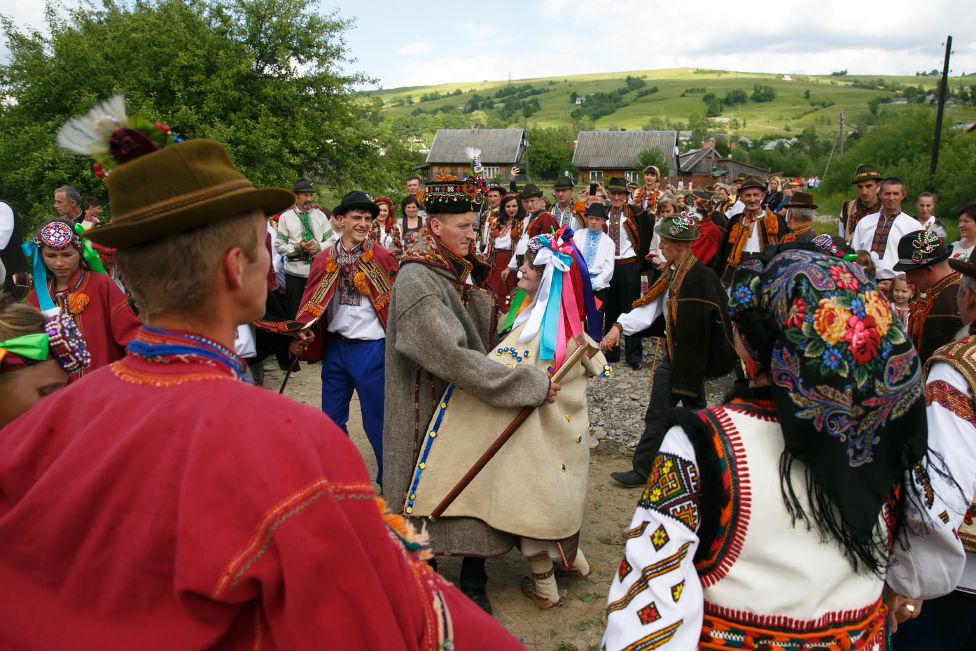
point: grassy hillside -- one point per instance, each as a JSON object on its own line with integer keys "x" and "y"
{"x": 800, "y": 102}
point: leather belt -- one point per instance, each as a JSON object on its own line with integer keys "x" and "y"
{"x": 347, "y": 340}
{"x": 626, "y": 260}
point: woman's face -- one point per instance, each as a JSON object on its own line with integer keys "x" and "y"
{"x": 967, "y": 226}
{"x": 62, "y": 263}
{"x": 665, "y": 210}
{"x": 529, "y": 278}
{"x": 511, "y": 207}
{"x": 22, "y": 389}
{"x": 721, "y": 194}
{"x": 773, "y": 184}
{"x": 411, "y": 210}
{"x": 383, "y": 214}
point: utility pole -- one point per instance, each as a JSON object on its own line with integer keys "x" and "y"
{"x": 841, "y": 135}
{"x": 943, "y": 85}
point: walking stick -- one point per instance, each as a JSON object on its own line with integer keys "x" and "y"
{"x": 657, "y": 349}
{"x": 291, "y": 365}
{"x": 483, "y": 460}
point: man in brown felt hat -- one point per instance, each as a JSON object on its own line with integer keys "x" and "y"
{"x": 750, "y": 231}
{"x": 868, "y": 183}
{"x": 205, "y": 512}
{"x": 950, "y": 390}
{"x": 799, "y": 217}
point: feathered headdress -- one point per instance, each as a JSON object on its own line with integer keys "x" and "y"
{"x": 474, "y": 155}
{"x": 111, "y": 137}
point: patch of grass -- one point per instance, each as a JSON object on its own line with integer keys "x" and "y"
{"x": 587, "y": 597}
{"x": 566, "y": 646}
{"x": 582, "y": 625}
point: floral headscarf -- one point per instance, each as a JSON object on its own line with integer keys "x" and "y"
{"x": 846, "y": 382}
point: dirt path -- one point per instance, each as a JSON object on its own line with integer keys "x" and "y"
{"x": 575, "y": 625}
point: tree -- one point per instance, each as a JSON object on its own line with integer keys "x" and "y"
{"x": 550, "y": 151}
{"x": 260, "y": 76}
{"x": 736, "y": 96}
{"x": 652, "y": 156}
{"x": 763, "y": 93}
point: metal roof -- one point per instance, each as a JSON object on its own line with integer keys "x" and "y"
{"x": 620, "y": 149}
{"x": 498, "y": 146}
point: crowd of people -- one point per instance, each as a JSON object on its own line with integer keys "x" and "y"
{"x": 152, "y": 495}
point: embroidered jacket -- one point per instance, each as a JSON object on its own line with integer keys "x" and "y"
{"x": 934, "y": 320}
{"x": 771, "y": 228}
{"x": 376, "y": 269}
{"x": 851, "y": 213}
{"x": 698, "y": 333}
{"x": 711, "y": 542}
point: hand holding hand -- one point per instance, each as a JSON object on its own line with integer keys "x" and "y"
{"x": 610, "y": 340}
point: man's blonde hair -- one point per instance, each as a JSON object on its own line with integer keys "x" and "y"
{"x": 175, "y": 275}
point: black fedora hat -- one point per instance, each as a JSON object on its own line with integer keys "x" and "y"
{"x": 356, "y": 199}
{"x": 596, "y": 210}
{"x": 530, "y": 190}
{"x": 302, "y": 185}
{"x": 920, "y": 249}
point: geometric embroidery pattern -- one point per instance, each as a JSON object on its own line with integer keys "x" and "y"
{"x": 624, "y": 569}
{"x": 676, "y": 591}
{"x": 660, "y": 568}
{"x": 951, "y": 398}
{"x": 673, "y": 488}
{"x": 648, "y": 614}
{"x": 655, "y": 640}
{"x": 659, "y": 538}
{"x": 636, "y": 532}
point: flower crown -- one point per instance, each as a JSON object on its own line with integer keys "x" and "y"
{"x": 111, "y": 137}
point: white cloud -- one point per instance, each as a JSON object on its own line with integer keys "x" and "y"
{"x": 416, "y": 47}
{"x": 490, "y": 67}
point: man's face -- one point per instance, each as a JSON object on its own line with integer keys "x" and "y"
{"x": 534, "y": 204}
{"x": 925, "y": 207}
{"x": 867, "y": 191}
{"x": 671, "y": 249}
{"x": 304, "y": 201}
{"x": 455, "y": 231}
{"x": 594, "y": 223}
{"x": 62, "y": 206}
{"x": 413, "y": 187}
{"x": 254, "y": 284}
{"x": 355, "y": 226}
{"x": 891, "y": 197}
{"x": 650, "y": 179}
{"x": 494, "y": 198}
{"x": 751, "y": 197}
{"x": 563, "y": 197}
{"x": 966, "y": 303}
{"x": 921, "y": 278}
{"x": 618, "y": 200}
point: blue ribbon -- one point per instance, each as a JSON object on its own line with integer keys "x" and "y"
{"x": 550, "y": 320}
{"x": 40, "y": 277}
{"x": 593, "y": 321}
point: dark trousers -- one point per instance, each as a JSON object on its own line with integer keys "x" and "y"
{"x": 294, "y": 289}
{"x": 601, "y": 295}
{"x": 360, "y": 366}
{"x": 659, "y": 407}
{"x": 945, "y": 624}
{"x": 624, "y": 289}
{"x": 473, "y": 574}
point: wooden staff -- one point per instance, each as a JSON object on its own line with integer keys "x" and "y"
{"x": 657, "y": 349}
{"x": 483, "y": 460}
{"x": 294, "y": 360}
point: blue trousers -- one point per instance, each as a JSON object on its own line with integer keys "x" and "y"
{"x": 360, "y": 367}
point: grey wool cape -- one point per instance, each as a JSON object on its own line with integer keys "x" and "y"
{"x": 438, "y": 333}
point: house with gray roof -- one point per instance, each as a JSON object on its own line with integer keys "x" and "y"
{"x": 500, "y": 150}
{"x": 600, "y": 155}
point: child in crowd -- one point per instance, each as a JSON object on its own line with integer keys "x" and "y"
{"x": 902, "y": 295}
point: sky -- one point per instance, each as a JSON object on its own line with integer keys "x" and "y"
{"x": 420, "y": 43}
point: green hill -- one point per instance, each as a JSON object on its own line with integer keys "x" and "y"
{"x": 800, "y": 101}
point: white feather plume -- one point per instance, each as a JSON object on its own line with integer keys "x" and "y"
{"x": 88, "y": 134}
{"x": 472, "y": 153}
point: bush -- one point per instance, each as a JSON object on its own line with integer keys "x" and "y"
{"x": 652, "y": 156}
{"x": 763, "y": 93}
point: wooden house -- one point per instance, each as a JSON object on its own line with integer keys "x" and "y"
{"x": 601, "y": 155}
{"x": 500, "y": 150}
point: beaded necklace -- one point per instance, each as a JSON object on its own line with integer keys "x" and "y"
{"x": 165, "y": 346}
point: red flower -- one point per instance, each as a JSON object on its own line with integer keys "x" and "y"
{"x": 862, "y": 338}
{"x": 843, "y": 278}
{"x": 797, "y": 315}
{"x": 99, "y": 172}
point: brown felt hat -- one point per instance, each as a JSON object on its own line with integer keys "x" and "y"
{"x": 176, "y": 189}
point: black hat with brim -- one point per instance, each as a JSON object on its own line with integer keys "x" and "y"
{"x": 356, "y": 199}
{"x": 920, "y": 249}
{"x": 617, "y": 184}
{"x": 529, "y": 191}
{"x": 302, "y": 185}
{"x": 563, "y": 183}
{"x": 596, "y": 210}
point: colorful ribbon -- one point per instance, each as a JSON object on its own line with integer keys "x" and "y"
{"x": 33, "y": 346}
{"x": 88, "y": 253}
{"x": 39, "y": 271}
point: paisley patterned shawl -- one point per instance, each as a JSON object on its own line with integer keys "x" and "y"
{"x": 847, "y": 384}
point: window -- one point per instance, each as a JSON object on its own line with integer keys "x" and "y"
{"x": 596, "y": 175}
{"x": 490, "y": 172}
{"x": 631, "y": 176}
